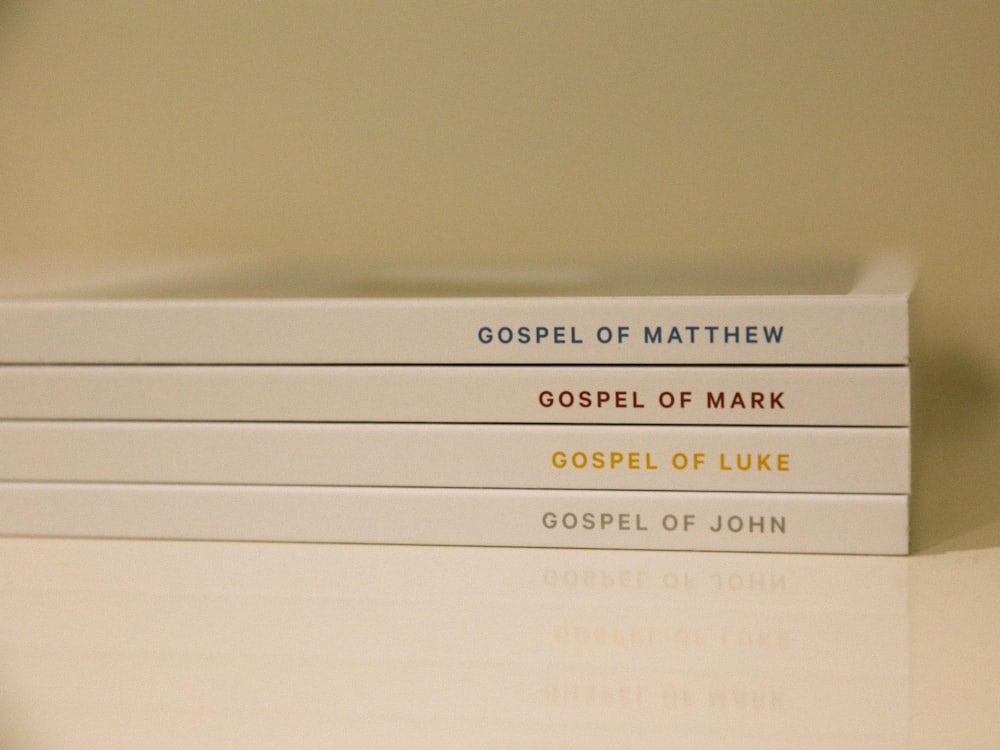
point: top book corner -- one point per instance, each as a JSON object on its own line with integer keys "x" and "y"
{"x": 244, "y": 313}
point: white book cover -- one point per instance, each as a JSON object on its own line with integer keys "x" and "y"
{"x": 626, "y": 457}
{"x": 750, "y": 522}
{"x": 670, "y": 315}
{"x": 822, "y": 396}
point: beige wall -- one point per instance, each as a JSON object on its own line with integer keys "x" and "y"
{"x": 555, "y": 130}
{"x": 411, "y": 133}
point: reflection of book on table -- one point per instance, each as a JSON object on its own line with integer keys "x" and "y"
{"x": 786, "y": 650}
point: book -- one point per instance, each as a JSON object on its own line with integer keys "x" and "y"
{"x": 823, "y": 396}
{"x": 743, "y": 459}
{"x": 725, "y": 315}
{"x": 750, "y": 522}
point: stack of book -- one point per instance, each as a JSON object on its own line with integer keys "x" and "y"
{"x": 556, "y": 409}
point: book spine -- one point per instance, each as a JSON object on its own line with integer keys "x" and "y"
{"x": 741, "y": 459}
{"x": 748, "y": 522}
{"x": 834, "y": 329}
{"x": 822, "y": 396}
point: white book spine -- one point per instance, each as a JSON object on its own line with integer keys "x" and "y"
{"x": 823, "y": 329}
{"x": 822, "y": 396}
{"x": 741, "y": 459}
{"x": 750, "y": 522}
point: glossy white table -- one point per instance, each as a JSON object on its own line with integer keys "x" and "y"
{"x": 171, "y": 645}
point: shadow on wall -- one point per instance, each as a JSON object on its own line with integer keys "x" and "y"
{"x": 956, "y": 450}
